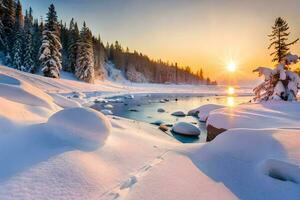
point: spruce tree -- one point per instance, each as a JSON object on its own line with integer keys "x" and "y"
{"x": 2, "y": 44}
{"x": 28, "y": 45}
{"x": 50, "y": 49}
{"x": 17, "y": 50}
{"x": 72, "y": 45}
{"x": 85, "y": 56}
{"x": 279, "y": 40}
{"x": 8, "y": 20}
{"x": 37, "y": 31}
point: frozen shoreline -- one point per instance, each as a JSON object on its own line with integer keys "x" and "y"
{"x": 133, "y": 160}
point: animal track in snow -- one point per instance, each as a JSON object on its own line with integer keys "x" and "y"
{"x": 122, "y": 190}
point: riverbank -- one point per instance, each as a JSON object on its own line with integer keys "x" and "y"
{"x": 47, "y": 151}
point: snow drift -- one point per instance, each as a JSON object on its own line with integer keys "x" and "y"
{"x": 80, "y": 127}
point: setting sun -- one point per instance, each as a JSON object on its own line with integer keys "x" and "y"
{"x": 231, "y": 67}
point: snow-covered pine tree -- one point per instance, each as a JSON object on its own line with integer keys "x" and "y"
{"x": 50, "y": 55}
{"x": 280, "y": 83}
{"x": 279, "y": 38}
{"x": 64, "y": 38}
{"x": 28, "y": 45}
{"x": 37, "y": 30}
{"x": 2, "y": 44}
{"x": 17, "y": 50}
{"x": 85, "y": 56}
{"x": 8, "y": 20}
{"x": 74, "y": 37}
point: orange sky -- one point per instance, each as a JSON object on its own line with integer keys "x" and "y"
{"x": 199, "y": 33}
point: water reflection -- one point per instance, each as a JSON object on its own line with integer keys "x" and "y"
{"x": 230, "y": 102}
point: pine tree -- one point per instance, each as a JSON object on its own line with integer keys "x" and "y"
{"x": 37, "y": 30}
{"x": 28, "y": 45}
{"x": 50, "y": 49}
{"x": 72, "y": 46}
{"x": 8, "y": 20}
{"x": 17, "y": 50}
{"x": 279, "y": 38}
{"x": 85, "y": 56}
{"x": 2, "y": 44}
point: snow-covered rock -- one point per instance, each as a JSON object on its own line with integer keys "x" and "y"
{"x": 108, "y": 106}
{"x": 179, "y": 114}
{"x": 185, "y": 128}
{"x": 202, "y": 112}
{"x": 82, "y": 128}
{"x": 79, "y": 95}
{"x": 107, "y": 112}
{"x": 158, "y": 122}
{"x": 129, "y": 96}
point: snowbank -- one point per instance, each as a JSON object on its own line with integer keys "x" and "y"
{"x": 64, "y": 102}
{"x": 253, "y": 163}
{"x": 272, "y": 114}
{"x": 81, "y": 127}
{"x": 58, "y": 157}
{"x": 202, "y": 112}
{"x": 19, "y": 91}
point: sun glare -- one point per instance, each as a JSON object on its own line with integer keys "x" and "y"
{"x": 230, "y": 91}
{"x": 230, "y": 102}
{"x": 231, "y": 67}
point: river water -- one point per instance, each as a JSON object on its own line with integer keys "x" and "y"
{"x": 144, "y": 108}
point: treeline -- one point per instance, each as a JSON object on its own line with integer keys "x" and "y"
{"x": 134, "y": 63}
{"x": 49, "y": 46}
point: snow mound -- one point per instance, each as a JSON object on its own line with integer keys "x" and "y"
{"x": 21, "y": 92}
{"x": 185, "y": 128}
{"x": 203, "y": 111}
{"x": 82, "y": 128}
{"x": 64, "y": 102}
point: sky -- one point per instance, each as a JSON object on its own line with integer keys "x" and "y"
{"x": 206, "y": 34}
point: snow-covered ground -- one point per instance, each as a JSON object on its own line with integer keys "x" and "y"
{"x": 53, "y": 148}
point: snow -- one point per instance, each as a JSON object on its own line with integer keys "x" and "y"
{"x": 48, "y": 151}
{"x": 242, "y": 159}
{"x": 202, "y": 112}
{"x": 64, "y": 102}
{"x": 185, "y": 128}
{"x": 107, "y": 112}
{"x": 271, "y": 114}
{"x": 90, "y": 133}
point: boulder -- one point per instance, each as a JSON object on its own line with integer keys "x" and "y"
{"x": 161, "y": 110}
{"x": 157, "y": 122}
{"x": 107, "y": 112}
{"x": 109, "y": 106}
{"x": 184, "y": 128}
{"x": 179, "y": 114}
{"x": 213, "y": 132}
{"x": 163, "y": 128}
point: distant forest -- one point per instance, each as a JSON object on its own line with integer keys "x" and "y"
{"x": 49, "y": 46}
